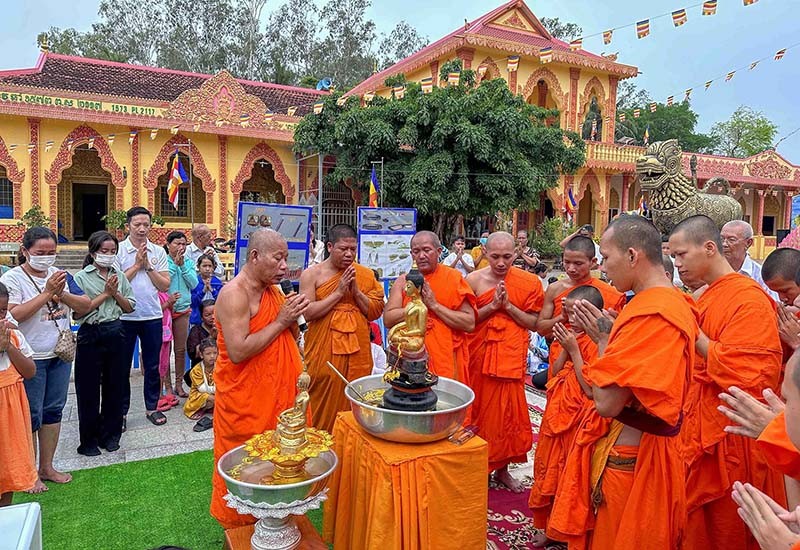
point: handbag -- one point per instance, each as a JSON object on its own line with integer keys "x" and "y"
{"x": 65, "y": 344}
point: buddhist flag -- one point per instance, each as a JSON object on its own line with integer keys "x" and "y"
{"x": 679, "y": 17}
{"x": 607, "y": 119}
{"x": 642, "y": 28}
{"x": 12, "y": 147}
{"x": 513, "y": 63}
{"x": 291, "y": 111}
{"x": 70, "y": 141}
{"x": 131, "y": 137}
{"x": 546, "y": 55}
{"x": 607, "y": 36}
{"x": 710, "y": 7}
{"x": 653, "y": 107}
{"x": 244, "y": 119}
{"x": 670, "y": 100}
{"x": 177, "y": 176}
{"x": 453, "y": 78}
{"x": 153, "y": 133}
{"x": 374, "y": 189}
{"x": 369, "y": 96}
{"x": 341, "y": 101}
{"x": 636, "y": 113}
{"x": 748, "y": 2}
{"x": 576, "y": 44}
{"x": 482, "y": 70}
{"x": 111, "y": 138}
{"x": 687, "y": 94}
{"x": 622, "y": 117}
{"x": 174, "y": 130}
{"x": 268, "y": 116}
{"x": 48, "y": 145}
{"x": 729, "y": 75}
{"x": 779, "y": 54}
{"x": 570, "y": 205}
{"x": 646, "y": 138}
{"x": 399, "y": 92}
{"x": 753, "y": 65}
{"x": 427, "y": 85}
{"x": 31, "y": 147}
{"x": 708, "y": 84}
{"x": 90, "y": 143}
{"x": 196, "y": 127}
{"x": 318, "y": 108}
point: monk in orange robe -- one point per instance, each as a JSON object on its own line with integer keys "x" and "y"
{"x": 730, "y": 353}
{"x": 509, "y": 300}
{"x": 451, "y": 308}
{"x": 259, "y": 361}
{"x": 578, "y": 260}
{"x": 344, "y": 297}
{"x": 624, "y": 483}
{"x": 565, "y": 403}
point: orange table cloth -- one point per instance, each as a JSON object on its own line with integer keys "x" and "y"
{"x": 397, "y": 496}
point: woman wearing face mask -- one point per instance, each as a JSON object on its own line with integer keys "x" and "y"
{"x": 100, "y": 369}
{"x": 183, "y": 278}
{"x": 40, "y": 303}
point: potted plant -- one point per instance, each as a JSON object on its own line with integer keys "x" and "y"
{"x": 115, "y": 221}
{"x": 34, "y": 217}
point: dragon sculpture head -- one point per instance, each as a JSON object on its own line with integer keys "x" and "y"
{"x": 660, "y": 164}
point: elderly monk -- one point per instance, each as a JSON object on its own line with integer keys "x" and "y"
{"x": 509, "y": 300}
{"x": 451, "y": 308}
{"x": 737, "y": 238}
{"x": 258, "y": 360}
{"x": 731, "y": 351}
{"x": 623, "y": 486}
{"x": 344, "y": 297}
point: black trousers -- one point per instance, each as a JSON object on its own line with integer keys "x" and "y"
{"x": 101, "y": 379}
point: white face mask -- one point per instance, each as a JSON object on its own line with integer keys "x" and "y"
{"x": 104, "y": 260}
{"x": 41, "y": 263}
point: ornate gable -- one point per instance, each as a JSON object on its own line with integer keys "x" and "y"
{"x": 515, "y": 20}
{"x": 220, "y": 100}
{"x": 769, "y": 165}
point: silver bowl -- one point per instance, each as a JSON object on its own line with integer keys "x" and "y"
{"x": 319, "y": 468}
{"x": 411, "y": 426}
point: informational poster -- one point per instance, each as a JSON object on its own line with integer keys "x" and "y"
{"x": 293, "y": 222}
{"x": 384, "y": 239}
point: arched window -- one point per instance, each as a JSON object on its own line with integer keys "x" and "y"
{"x": 6, "y": 195}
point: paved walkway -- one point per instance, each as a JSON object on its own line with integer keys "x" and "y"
{"x": 142, "y": 441}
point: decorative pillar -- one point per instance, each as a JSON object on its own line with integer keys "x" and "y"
{"x": 223, "y": 184}
{"x": 135, "y": 169}
{"x": 760, "y": 217}
{"x": 512, "y": 80}
{"x": 435, "y": 72}
{"x": 574, "y": 75}
{"x": 33, "y": 128}
{"x": 466, "y": 55}
{"x": 787, "y": 210}
{"x": 625, "y": 198}
{"x": 609, "y": 128}
{"x": 541, "y": 88}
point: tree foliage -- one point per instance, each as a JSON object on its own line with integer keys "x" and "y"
{"x": 746, "y": 133}
{"x": 676, "y": 121}
{"x": 561, "y": 30}
{"x": 297, "y": 41}
{"x": 459, "y": 150}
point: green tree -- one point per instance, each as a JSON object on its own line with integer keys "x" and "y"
{"x": 403, "y": 41}
{"x": 630, "y": 96}
{"x": 746, "y": 133}
{"x": 561, "y": 30}
{"x": 676, "y": 121}
{"x": 459, "y": 150}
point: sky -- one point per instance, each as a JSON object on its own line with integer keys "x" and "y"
{"x": 670, "y": 59}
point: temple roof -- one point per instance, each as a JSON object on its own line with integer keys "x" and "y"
{"x": 97, "y": 77}
{"x": 512, "y": 28}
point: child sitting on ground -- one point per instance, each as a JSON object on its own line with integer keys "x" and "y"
{"x": 201, "y": 394}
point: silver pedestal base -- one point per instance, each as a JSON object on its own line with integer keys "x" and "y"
{"x": 276, "y": 528}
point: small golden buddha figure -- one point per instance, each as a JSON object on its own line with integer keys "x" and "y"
{"x": 290, "y": 433}
{"x": 409, "y": 335}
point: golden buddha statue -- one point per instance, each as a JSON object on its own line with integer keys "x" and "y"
{"x": 409, "y": 335}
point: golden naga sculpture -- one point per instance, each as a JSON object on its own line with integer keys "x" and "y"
{"x": 409, "y": 335}
{"x": 673, "y": 197}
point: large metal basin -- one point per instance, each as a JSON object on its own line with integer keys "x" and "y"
{"x": 411, "y": 426}
{"x": 319, "y": 468}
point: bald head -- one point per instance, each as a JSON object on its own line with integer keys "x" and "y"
{"x": 201, "y": 235}
{"x": 264, "y": 241}
{"x": 783, "y": 263}
{"x": 698, "y": 230}
{"x": 429, "y": 236}
{"x": 636, "y": 233}
{"x": 588, "y": 293}
{"x": 498, "y": 239}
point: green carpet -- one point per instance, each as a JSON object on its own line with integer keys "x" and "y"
{"x": 134, "y": 506}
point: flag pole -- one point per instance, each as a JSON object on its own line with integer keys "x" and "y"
{"x": 191, "y": 195}
{"x": 381, "y": 182}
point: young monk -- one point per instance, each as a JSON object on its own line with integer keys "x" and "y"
{"x": 565, "y": 403}
{"x": 729, "y": 353}
{"x": 259, "y": 361}
{"x": 509, "y": 300}
{"x": 623, "y": 487}
{"x": 451, "y": 308}
{"x": 343, "y": 298}
{"x": 579, "y": 253}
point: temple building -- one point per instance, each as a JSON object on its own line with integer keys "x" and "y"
{"x": 95, "y": 136}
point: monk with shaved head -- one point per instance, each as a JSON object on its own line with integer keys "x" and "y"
{"x": 780, "y": 272}
{"x": 451, "y": 308}
{"x": 259, "y": 361}
{"x": 738, "y": 345}
{"x": 624, "y": 481}
{"x": 509, "y": 301}
{"x": 343, "y": 298}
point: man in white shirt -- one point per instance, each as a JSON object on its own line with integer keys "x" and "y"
{"x": 737, "y": 237}
{"x": 145, "y": 266}
{"x": 460, "y": 260}
{"x": 201, "y": 244}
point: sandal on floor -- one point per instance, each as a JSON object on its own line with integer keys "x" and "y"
{"x": 157, "y": 418}
{"x": 172, "y": 399}
{"x": 163, "y": 405}
{"x": 204, "y": 424}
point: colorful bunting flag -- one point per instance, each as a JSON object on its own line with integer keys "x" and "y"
{"x": 513, "y": 63}
{"x": 111, "y": 138}
{"x": 708, "y": 84}
{"x": 48, "y": 145}
{"x": 196, "y": 127}
{"x": 622, "y": 117}
{"x": 427, "y": 85}
{"x": 369, "y": 96}
{"x": 710, "y": 7}
{"x": 653, "y": 107}
{"x": 153, "y": 133}
{"x": 636, "y": 113}
{"x": 670, "y": 99}
{"x": 318, "y": 107}
{"x": 642, "y": 28}
{"x": 174, "y": 130}
{"x": 70, "y": 141}
{"x": 12, "y": 147}
{"x": 453, "y": 78}
{"x": 291, "y": 111}
{"x": 687, "y": 94}
{"x": 753, "y": 65}
{"x": 90, "y": 143}
{"x": 570, "y": 205}
{"x": 341, "y": 101}
{"x": 131, "y": 137}
{"x": 679, "y": 17}
{"x": 545, "y": 55}
{"x": 646, "y": 137}
{"x": 729, "y": 75}
{"x": 399, "y": 92}
{"x": 576, "y": 44}
{"x": 779, "y": 54}
{"x": 607, "y": 119}
{"x": 748, "y": 2}
{"x": 482, "y": 70}
{"x": 244, "y": 119}
{"x": 269, "y": 115}
{"x": 607, "y": 36}
{"x": 31, "y": 147}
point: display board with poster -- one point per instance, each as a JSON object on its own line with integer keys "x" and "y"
{"x": 384, "y": 239}
{"x": 293, "y": 222}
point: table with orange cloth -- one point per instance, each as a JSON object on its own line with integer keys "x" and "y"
{"x": 403, "y": 496}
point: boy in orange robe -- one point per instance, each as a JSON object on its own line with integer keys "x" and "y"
{"x": 730, "y": 353}
{"x": 343, "y": 298}
{"x": 451, "y": 308}
{"x": 259, "y": 362}
{"x": 509, "y": 300}
{"x": 623, "y": 487}
{"x": 566, "y": 400}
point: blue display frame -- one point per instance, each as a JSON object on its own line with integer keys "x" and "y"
{"x": 383, "y": 233}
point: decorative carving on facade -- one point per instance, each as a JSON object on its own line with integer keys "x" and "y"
{"x": 64, "y": 157}
{"x": 610, "y": 115}
{"x": 466, "y": 55}
{"x": 492, "y": 70}
{"x": 545, "y": 74}
{"x": 221, "y": 99}
{"x": 435, "y": 72}
{"x": 33, "y": 128}
{"x": 135, "y": 168}
{"x": 14, "y": 175}
{"x": 159, "y": 165}
{"x": 222, "y": 142}
{"x": 515, "y": 21}
{"x": 590, "y": 181}
{"x": 769, "y": 168}
{"x": 593, "y": 88}
{"x": 574, "y": 75}
{"x": 263, "y": 151}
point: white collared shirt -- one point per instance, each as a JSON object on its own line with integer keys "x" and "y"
{"x": 752, "y": 269}
{"x": 148, "y": 306}
{"x": 193, "y": 252}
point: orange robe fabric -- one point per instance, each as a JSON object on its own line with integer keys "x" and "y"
{"x": 18, "y": 470}
{"x": 250, "y": 395}
{"x": 341, "y": 337}
{"x": 650, "y": 351}
{"x": 447, "y": 349}
{"x": 497, "y": 358}
{"x": 745, "y": 351}
{"x": 565, "y": 404}
{"x": 778, "y": 449}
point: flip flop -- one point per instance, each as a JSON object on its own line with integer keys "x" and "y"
{"x": 203, "y": 424}
{"x": 173, "y": 399}
{"x": 157, "y": 418}
{"x": 163, "y": 405}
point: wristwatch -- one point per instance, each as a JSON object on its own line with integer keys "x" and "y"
{"x": 148, "y": 269}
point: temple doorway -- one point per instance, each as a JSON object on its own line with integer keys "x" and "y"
{"x": 585, "y": 209}
{"x": 84, "y": 196}
{"x": 262, "y": 185}
{"x": 90, "y": 204}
